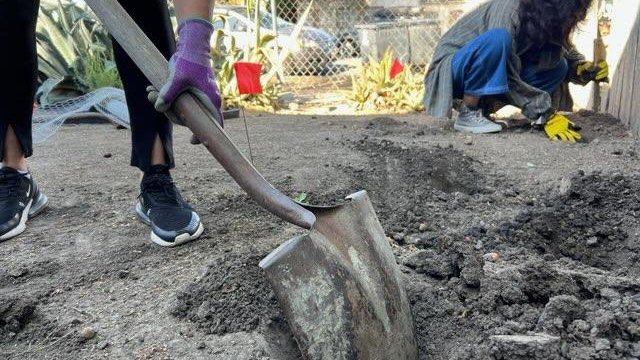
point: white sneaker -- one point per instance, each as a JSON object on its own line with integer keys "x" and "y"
{"x": 472, "y": 121}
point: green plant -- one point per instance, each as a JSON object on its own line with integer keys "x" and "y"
{"x": 301, "y": 198}
{"x": 72, "y": 43}
{"x": 373, "y": 88}
{"x": 101, "y": 72}
{"x": 263, "y": 49}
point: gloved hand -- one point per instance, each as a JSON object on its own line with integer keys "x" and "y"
{"x": 588, "y": 71}
{"x": 190, "y": 69}
{"x": 559, "y": 127}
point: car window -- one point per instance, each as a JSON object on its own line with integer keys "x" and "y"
{"x": 265, "y": 20}
{"x": 218, "y": 24}
{"x": 237, "y": 24}
{"x": 233, "y": 23}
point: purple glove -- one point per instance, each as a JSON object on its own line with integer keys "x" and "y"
{"x": 190, "y": 69}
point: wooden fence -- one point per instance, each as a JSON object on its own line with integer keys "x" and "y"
{"x": 623, "y": 98}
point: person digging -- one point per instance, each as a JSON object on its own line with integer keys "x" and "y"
{"x": 511, "y": 52}
{"x": 160, "y": 205}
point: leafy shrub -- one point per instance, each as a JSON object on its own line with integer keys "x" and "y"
{"x": 73, "y": 44}
{"x": 373, "y": 88}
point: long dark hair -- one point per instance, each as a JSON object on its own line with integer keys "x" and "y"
{"x": 542, "y": 21}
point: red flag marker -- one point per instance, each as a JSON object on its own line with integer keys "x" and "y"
{"x": 396, "y": 68}
{"x": 248, "y": 76}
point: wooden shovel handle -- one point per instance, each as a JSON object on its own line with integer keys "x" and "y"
{"x": 195, "y": 117}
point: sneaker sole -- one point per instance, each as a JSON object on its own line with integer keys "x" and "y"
{"x": 39, "y": 206}
{"x": 473, "y": 130}
{"x": 22, "y": 226}
{"x": 179, "y": 240}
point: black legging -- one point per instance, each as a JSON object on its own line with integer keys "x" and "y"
{"x": 18, "y": 62}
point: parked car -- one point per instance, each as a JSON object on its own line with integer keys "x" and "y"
{"x": 311, "y": 52}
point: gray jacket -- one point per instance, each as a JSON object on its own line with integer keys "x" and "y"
{"x": 490, "y": 15}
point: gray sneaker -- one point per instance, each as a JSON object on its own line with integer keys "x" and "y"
{"x": 472, "y": 121}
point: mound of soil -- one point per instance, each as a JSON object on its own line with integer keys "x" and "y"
{"x": 231, "y": 296}
{"x": 586, "y": 218}
{"x": 593, "y": 317}
{"x": 15, "y": 314}
{"x": 595, "y": 125}
{"x": 564, "y": 281}
{"x": 403, "y": 181}
{"x": 555, "y": 291}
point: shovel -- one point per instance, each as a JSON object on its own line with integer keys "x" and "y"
{"x": 339, "y": 285}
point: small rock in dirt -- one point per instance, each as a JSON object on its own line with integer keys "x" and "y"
{"x": 609, "y": 294}
{"x": 123, "y": 274}
{"x": 431, "y": 263}
{"x": 531, "y": 165}
{"x": 398, "y": 237}
{"x": 201, "y": 345}
{"x": 423, "y": 227}
{"x": 592, "y": 241}
{"x": 87, "y": 333}
{"x": 525, "y": 347}
{"x": 103, "y": 345}
{"x": 581, "y": 326}
{"x": 565, "y": 186}
{"x": 471, "y": 265}
{"x": 602, "y": 344}
{"x": 560, "y": 310}
{"x": 509, "y": 193}
{"x": 468, "y": 140}
{"x": 491, "y": 257}
{"x": 16, "y": 273}
{"x": 412, "y": 240}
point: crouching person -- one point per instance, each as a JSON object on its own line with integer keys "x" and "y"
{"x": 511, "y": 52}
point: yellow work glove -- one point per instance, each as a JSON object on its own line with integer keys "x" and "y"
{"x": 595, "y": 73}
{"x": 559, "y": 127}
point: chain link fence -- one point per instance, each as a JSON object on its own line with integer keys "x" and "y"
{"x": 340, "y": 35}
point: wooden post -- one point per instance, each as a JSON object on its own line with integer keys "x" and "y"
{"x": 599, "y": 55}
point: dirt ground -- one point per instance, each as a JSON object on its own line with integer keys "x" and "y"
{"x": 513, "y": 247}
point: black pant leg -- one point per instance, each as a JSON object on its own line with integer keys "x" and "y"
{"x": 19, "y": 64}
{"x": 153, "y": 18}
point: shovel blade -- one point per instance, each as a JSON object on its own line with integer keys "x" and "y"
{"x": 340, "y": 290}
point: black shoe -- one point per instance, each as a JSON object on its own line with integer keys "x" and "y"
{"x": 173, "y": 222}
{"x": 20, "y": 200}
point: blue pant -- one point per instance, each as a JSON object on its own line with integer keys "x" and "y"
{"x": 480, "y": 68}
